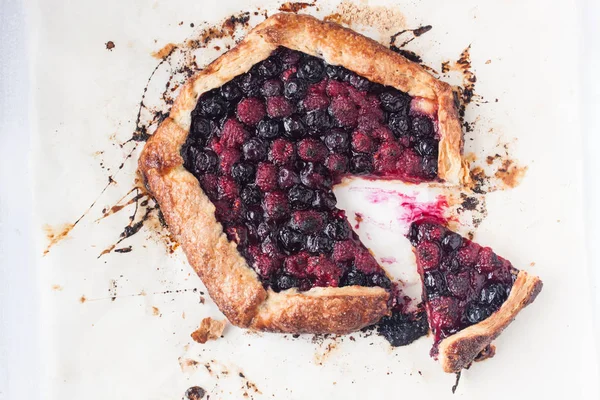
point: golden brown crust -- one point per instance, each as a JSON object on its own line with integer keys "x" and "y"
{"x": 231, "y": 283}
{"x": 322, "y": 310}
{"x": 459, "y": 350}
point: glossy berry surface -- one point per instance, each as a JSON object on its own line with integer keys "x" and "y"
{"x": 463, "y": 282}
{"x": 268, "y": 146}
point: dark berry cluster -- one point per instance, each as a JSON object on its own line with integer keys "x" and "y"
{"x": 268, "y": 146}
{"x": 463, "y": 282}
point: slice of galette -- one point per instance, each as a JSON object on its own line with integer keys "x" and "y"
{"x": 243, "y": 169}
{"x": 471, "y": 294}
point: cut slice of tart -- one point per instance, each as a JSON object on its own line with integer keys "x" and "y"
{"x": 471, "y": 294}
{"x": 244, "y": 166}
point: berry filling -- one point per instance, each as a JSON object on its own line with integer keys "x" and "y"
{"x": 463, "y": 282}
{"x": 268, "y": 146}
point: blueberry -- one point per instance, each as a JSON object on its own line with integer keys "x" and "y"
{"x": 204, "y": 161}
{"x": 287, "y": 178}
{"x": 212, "y": 106}
{"x": 451, "y": 241}
{"x": 357, "y": 81}
{"x": 477, "y": 312}
{"x": 354, "y": 278}
{"x": 284, "y": 282}
{"x": 413, "y": 234}
{"x": 361, "y": 164}
{"x": 264, "y": 230}
{"x": 318, "y": 244}
{"x": 268, "y": 68}
{"x": 335, "y": 72}
{"x": 254, "y": 216}
{"x": 294, "y": 127}
{"x": 381, "y": 280}
{"x": 254, "y": 150}
{"x": 243, "y": 172}
{"x": 399, "y": 124}
{"x": 250, "y": 195}
{"x": 337, "y": 229}
{"x": 290, "y": 240}
{"x": 231, "y": 92}
{"x": 315, "y": 175}
{"x": 271, "y": 88}
{"x": 324, "y": 200}
{"x": 435, "y": 284}
{"x": 311, "y": 69}
{"x": 294, "y": 89}
{"x": 394, "y": 101}
{"x": 250, "y": 83}
{"x": 493, "y": 294}
{"x": 201, "y": 129}
{"x": 421, "y": 127}
{"x": 402, "y": 329}
{"x": 337, "y": 141}
{"x": 300, "y": 197}
{"x": 430, "y": 167}
{"x": 318, "y": 119}
{"x": 268, "y": 129}
{"x": 427, "y": 147}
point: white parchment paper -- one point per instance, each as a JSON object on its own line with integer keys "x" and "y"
{"x": 118, "y": 326}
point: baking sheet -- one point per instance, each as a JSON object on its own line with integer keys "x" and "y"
{"x": 118, "y": 325}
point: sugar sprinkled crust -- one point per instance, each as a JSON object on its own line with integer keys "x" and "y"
{"x": 231, "y": 283}
{"x": 459, "y": 350}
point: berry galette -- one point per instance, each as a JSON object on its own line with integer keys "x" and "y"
{"x": 243, "y": 170}
{"x": 470, "y": 293}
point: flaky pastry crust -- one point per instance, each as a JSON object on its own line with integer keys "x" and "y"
{"x": 459, "y": 350}
{"x": 231, "y": 283}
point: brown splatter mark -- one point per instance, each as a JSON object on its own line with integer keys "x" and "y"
{"x": 123, "y": 249}
{"x": 57, "y": 288}
{"x": 165, "y": 51}
{"x": 510, "y": 174}
{"x": 110, "y": 45}
{"x": 322, "y": 354}
{"x": 112, "y": 289}
{"x": 359, "y": 218}
{"x": 385, "y": 20}
{"x": 488, "y": 62}
{"x": 466, "y": 91}
{"x": 195, "y": 393}
{"x": 82, "y": 299}
{"x": 294, "y": 7}
{"x": 209, "y": 329}
{"x": 532, "y": 264}
{"x": 187, "y": 364}
{"x": 155, "y": 311}
{"x": 56, "y": 234}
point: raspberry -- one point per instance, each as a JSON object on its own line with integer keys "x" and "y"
{"x": 362, "y": 143}
{"x": 428, "y": 255}
{"x": 276, "y": 205}
{"x": 444, "y": 312}
{"x": 382, "y": 133}
{"x": 233, "y": 134}
{"x": 365, "y": 262}
{"x": 225, "y": 213}
{"x": 459, "y": 284}
{"x": 344, "y": 111}
{"x": 312, "y": 150}
{"x": 264, "y": 265}
{"x": 430, "y": 231}
{"x": 288, "y": 73}
{"x": 296, "y": 265}
{"x": 386, "y": 158}
{"x": 315, "y": 101}
{"x": 227, "y": 188}
{"x": 250, "y": 111}
{"x": 266, "y": 177}
{"x": 487, "y": 261}
{"x": 307, "y": 221}
{"x": 227, "y": 158}
{"x": 318, "y": 87}
{"x": 209, "y": 184}
{"x": 324, "y": 270}
{"x": 357, "y": 96}
{"x": 278, "y": 107}
{"x": 409, "y": 163}
{"x": 344, "y": 251}
{"x": 337, "y": 163}
{"x": 282, "y": 152}
{"x": 336, "y": 88}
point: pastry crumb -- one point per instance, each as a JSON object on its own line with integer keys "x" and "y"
{"x": 385, "y": 19}
{"x": 57, "y": 288}
{"x": 209, "y": 329}
{"x": 155, "y": 311}
{"x": 110, "y": 45}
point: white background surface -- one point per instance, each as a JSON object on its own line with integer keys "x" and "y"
{"x": 122, "y": 353}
